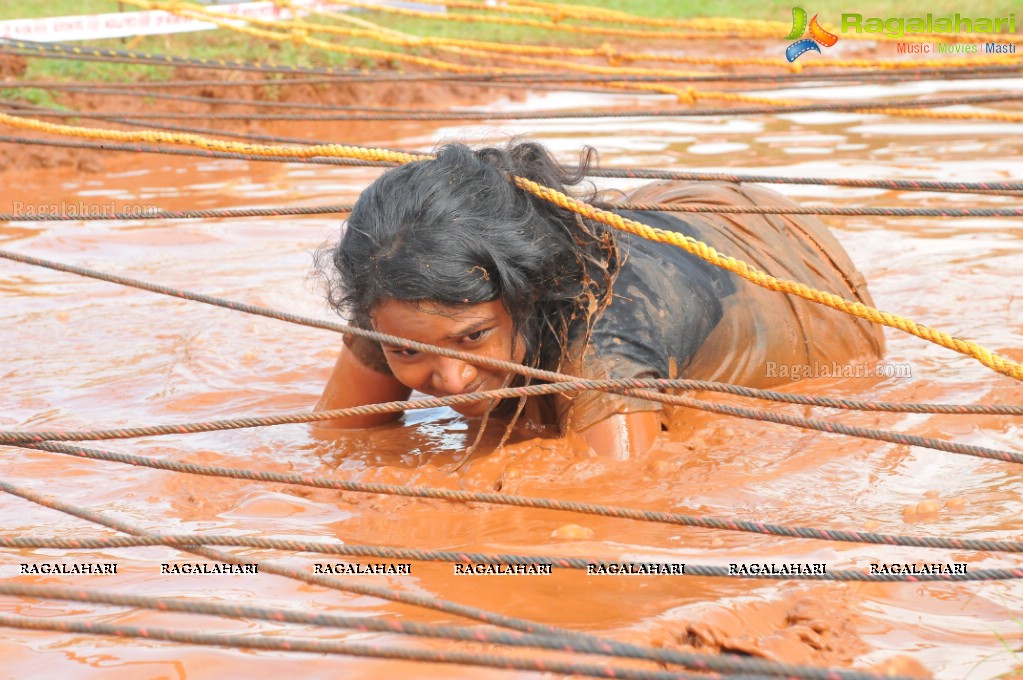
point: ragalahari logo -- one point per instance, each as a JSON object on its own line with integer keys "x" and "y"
{"x": 817, "y": 35}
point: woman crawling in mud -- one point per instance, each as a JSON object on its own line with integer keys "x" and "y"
{"x": 449, "y": 252}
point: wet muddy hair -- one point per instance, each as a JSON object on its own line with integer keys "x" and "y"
{"x": 455, "y": 230}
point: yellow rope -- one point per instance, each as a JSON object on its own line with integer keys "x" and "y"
{"x": 546, "y": 25}
{"x": 718, "y": 25}
{"x": 691, "y": 96}
{"x": 484, "y": 49}
{"x": 694, "y": 28}
{"x": 706, "y": 252}
{"x": 375, "y": 31}
{"x": 1001, "y": 116}
{"x": 300, "y": 30}
{"x": 298, "y": 36}
{"x": 185, "y": 139}
{"x": 689, "y": 244}
{"x": 300, "y": 33}
{"x": 477, "y": 48}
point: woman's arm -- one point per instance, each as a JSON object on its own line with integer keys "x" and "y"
{"x": 353, "y": 384}
{"x": 623, "y": 434}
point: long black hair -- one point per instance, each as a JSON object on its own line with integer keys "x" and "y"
{"x": 455, "y": 230}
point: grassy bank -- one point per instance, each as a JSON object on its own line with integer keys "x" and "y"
{"x": 232, "y": 45}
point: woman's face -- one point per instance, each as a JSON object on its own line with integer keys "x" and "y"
{"x": 485, "y": 329}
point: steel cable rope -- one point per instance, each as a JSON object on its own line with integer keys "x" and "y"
{"x": 301, "y": 35}
{"x": 488, "y": 50}
{"x": 923, "y": 185}
{"x": 230, "y": 22}
{"x": 512, "y": 52}
{"x": 881, "y": 211}
{"x": 215, "y": 213}
{"x": 566, "y": 385}
{"x": 740, "y": 30}
{"x": 17, "y": 437}
{"x": 218, "y": 213}
{"x": 291, "y": 644}
{"x": 385, "y": 113}
{"x": 741, "y": 412}
{"x": 295, "y": 140}
{"x": 628, "y": 385}
{"x": 987, "y": 358}
{"x": 560, "y": 11}
{"x": 286, "y": 615}
{"x": 882, "y": 108}
{"x": 690, "y": 96}
{"x": 359, "y": 623}
{"x": 57, "y": 50}
{"x": 872, "y": 75}
{"x": 375, "y": 114}
{"x": 177, "y": 6}
{"x": 100, "y": 55}
{"x": 722, "y": 663}
{"x": 217, "y": 101}
{"x": 135, "y": 92}
{"x": 245, "y": 136}
{"x": 891, "y": 184}
{"x": 70, "y": 51}
{"x": 984, "y": 356}
{"x": 142, "y": 148}
{"x": 540, "y": 503}
{"x": 300, "y": 32}
{"x": 385, "y": 593}
{"x": 469, "y": 558}
{"x": 129, "y": 87}
{"x": 132, "y": 91}
{"x": 387, "y": 36}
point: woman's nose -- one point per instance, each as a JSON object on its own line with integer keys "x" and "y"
{"x": 452, "y": 376}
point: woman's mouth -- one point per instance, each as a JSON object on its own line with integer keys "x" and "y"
{"x": 474, "y": 408}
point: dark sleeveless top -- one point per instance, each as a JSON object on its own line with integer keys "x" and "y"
{"x": 674, "y": 315}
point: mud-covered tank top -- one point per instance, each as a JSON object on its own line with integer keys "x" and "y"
{"x": 674, "y": 315}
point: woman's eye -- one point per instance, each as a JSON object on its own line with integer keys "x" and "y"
{"x": 403, "y": 353}
{"x": 476, "y": 337}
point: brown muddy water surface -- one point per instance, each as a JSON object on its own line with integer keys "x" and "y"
{"x": 79, "y": 353}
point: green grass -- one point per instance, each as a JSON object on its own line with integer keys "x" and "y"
{"x": 775, "y": 10}
{"x": 55, "y": 8}
{"x": 232, "y": 45}
{"x": 781, "y": 10}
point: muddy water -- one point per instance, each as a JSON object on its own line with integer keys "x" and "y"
{"x": 79, "y": 353}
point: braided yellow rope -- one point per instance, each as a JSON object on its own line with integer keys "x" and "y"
{"x": 710, "y": 28}
{"x": 532, "y": 23}
{"x": 1002, "y": 116}
{"x": 300, "y": 33}
{"x": 687, "y": 243}
{"x": 185, "y": 139}
{"x": 298, "y": 36}
{"x": 300, "y": 30}
{"x": 706, "y": 252}
{"x": 718, "y": 25}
